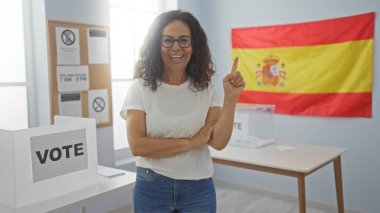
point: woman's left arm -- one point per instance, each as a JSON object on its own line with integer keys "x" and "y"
{"x": 233, "y": 85}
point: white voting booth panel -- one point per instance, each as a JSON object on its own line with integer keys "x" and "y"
{"x": 43, "y": 162}
{"x": 253, "y": 126}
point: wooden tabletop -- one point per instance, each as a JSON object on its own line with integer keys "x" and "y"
{"x": 303, "y": 158}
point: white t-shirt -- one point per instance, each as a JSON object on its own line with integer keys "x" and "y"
{"x": 174, "y": 112}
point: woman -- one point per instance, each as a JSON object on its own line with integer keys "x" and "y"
{"x": 173, "y": 114}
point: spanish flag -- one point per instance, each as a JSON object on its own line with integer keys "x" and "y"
{"x": 320, "y": 68}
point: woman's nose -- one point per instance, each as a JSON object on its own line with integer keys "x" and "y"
{"x": 176, "y": 45}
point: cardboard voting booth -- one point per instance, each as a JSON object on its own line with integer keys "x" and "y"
{"x": 253, "y": 126}
{"x": 43, "y": 162}
{"x": 262, "y": 121}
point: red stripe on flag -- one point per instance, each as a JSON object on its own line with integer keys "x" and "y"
{"x": 333, "y": 104}
{"x": 330, "y": 31}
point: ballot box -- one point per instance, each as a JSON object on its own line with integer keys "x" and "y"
{"x": 253, "y": 126}
{"x": 262, "y": 122}
{"x": 43, "y": 162}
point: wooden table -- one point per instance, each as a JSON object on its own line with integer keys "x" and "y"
{"x": 105, "y": 185}
{"x": 300, "y": 162}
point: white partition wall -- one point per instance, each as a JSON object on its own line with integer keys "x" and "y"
{"x": 39, "y": 163}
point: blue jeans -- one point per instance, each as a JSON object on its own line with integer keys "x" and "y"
{"x": 158, "y": 193}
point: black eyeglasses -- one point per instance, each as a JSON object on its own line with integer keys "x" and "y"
{"x": 183, "y": 41}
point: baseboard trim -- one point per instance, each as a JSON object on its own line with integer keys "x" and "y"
{"x": 124, "y": 209}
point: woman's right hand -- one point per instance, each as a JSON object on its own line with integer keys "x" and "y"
{"x": 203, "y": 136}
{"x": 233, "y": 83}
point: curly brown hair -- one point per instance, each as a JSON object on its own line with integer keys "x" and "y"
{"x": 150, "y": 66}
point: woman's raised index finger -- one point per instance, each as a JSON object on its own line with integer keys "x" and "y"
{"x": 235, "y": 65}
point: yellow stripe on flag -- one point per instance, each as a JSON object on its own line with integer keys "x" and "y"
{"x": 311, "y": 69}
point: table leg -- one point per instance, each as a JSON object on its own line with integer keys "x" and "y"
{"x": 338, "y": 184}
{"x": 301, "y": 194}
{"x": 83, "y": 209}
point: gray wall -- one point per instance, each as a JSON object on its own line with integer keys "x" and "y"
{"x": 361, "y": 137}
{"x": 86, "y": 12}
{"x": 361, "y": 172}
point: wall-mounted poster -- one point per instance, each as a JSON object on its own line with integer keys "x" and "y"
{"x": 79, "y": 71}
{"x": 98, "y": 105}
{"x": 68, "y": 49}
{"x": 72, "y": 78}
{"x": 98, "y": 46}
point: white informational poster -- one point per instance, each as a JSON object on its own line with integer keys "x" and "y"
{"x": 70, "y": 104}
{"x": 68, "y": 49}
{"x": 98, "y": 105}
{"x": 72, "y": 78}
{"x": 98, "y": 50}
{"x": 240, "y": 126}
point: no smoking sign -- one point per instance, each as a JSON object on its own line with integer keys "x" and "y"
{"x": 68, "y": 37}
{"x": 98, "y": 104}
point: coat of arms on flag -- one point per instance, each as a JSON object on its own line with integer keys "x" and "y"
{"x": 271, "y": 73}
{"x": 320, "y": 68}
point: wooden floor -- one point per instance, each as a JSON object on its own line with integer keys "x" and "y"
{"x": 237, "y": 199}
{"x": 233, "y": 198}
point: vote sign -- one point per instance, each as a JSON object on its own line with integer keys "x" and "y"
{"x": 59, "y": 153}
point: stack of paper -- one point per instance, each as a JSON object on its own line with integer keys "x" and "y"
{"x": 251, "y": 142}
{"x": 109, "y": 172}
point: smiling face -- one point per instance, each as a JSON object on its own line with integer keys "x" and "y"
{"x": 176, "y": 58}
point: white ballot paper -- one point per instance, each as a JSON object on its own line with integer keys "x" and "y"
{"x": 98, "y": 105}
{"x": 285, "y": 148}
{"x": 109, "y": 172}
{"x": 70, "y": 104}
{"x": 68, "y": 49}
{"x": 251, "y": 142}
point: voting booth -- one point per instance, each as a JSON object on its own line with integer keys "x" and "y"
{"x": 262, "y": 125}
{"x": 253, "y": 126}
{"x": 43, "y": 162}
